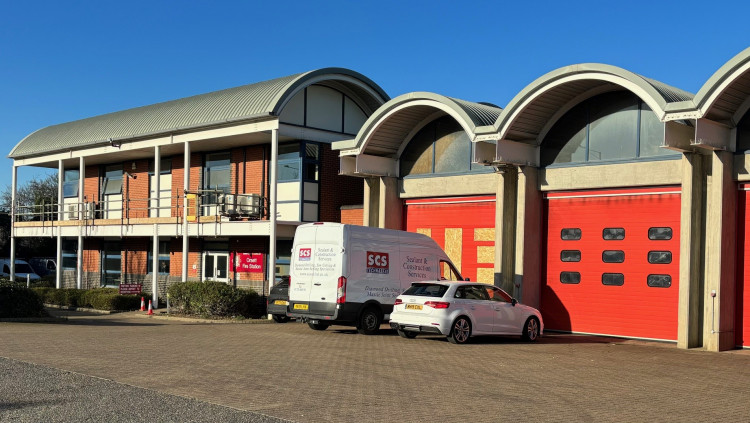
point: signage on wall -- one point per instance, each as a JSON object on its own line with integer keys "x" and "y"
{"x": 130, "y": 288}
{"x": 248, "y": 262}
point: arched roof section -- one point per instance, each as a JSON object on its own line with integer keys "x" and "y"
{"x": 532, "y": 111}
{"x": 395, "y": 122}
{"x": 725, "y": 97}
{"x": 244, "y": 103}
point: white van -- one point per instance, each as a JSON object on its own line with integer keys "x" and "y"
{"x": 351, "y": 275}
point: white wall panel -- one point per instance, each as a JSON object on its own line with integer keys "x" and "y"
{"x": 287, "y": 191}
{"x": 294, "y": 111}
{"x": 354, "y": 118}
{"x": 324, "y": 108}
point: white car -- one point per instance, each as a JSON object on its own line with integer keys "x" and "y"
{"x": 460, "y": 310}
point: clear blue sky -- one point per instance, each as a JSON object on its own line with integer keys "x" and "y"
{"x": 62, "y": 61}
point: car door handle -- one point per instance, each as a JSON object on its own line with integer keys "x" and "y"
{"x": 472, "y": 307}
{"x": 317, "y": 284}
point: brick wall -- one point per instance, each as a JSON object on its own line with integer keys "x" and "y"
{"x": 91, "y": 183}
{"x": 352, "y": 215}
{"x": 336, "y": 190}
{"x": 247, "y": 169}
{"x": 134, "y": 257}
{"x": 136, "y": 188}
{"x": 175, "y": 258}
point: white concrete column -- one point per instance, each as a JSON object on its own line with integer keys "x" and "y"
{"x": 690, "y": 306}
{"x": 155, "y": 250}
{"x": 81, "y": 174}
{"x": 390, "y": 207}
{"x": 58, "y": 260}
{"x": 505, "y": 229}
{"x": 719, "y": 296}
{"x": 60, "y": 178}
{"x": 155, "y": 267}
{"x": 271, "y": 271}
{"x": 528, "y": 248}
{"x": 13, "y": 211}
{"x": 185, "y": 187}
{"x": 79, "y": 255}
{"x": 370, "y": 216}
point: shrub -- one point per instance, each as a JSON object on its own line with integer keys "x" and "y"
{"x": 18, "y": 301}
{"x": 214, "y": 299}
{"x": 99, "y": 298}
{"x": 44, "y": 282}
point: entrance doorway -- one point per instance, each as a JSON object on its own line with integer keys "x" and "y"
{"x": 216, "y": 266}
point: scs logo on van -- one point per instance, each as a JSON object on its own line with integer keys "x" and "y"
{"x": 377, "y": 262}
{"x": 305, "y": 254}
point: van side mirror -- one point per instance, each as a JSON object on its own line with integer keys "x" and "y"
{"x": 513, "y": 301}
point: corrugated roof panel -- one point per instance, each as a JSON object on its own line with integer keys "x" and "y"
{"x": 216, "y": 107}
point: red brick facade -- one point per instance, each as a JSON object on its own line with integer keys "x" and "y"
{"x": 336, "y": 190}
{"x": 352, "y": 216}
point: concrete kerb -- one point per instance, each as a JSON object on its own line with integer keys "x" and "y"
{"x": 84, "y": 309}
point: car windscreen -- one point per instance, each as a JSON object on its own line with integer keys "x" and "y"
{"x": 427, "y": 290}
{"x": 23, "y": 268}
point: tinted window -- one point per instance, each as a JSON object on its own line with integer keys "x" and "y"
{"x": 426, "y": 290}
{"x": 613, "y": 234}
{"x": 471, "y": 292}
{"x": 570, "y": 277}
{"x": 660, "y": 257}
{"x": 659, "y": 233}
{"x": 659, "y": 281}
{"x": 613, "y": 127}
{"x": 570, "y": 255}
{"x": 615, "y": 279}
{"x": 497, "y": 294}
{"x": 613, "y": 256}
{"x": 568, "y": 234}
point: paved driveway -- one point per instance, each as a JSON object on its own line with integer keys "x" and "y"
{"x": 292, "y": 372}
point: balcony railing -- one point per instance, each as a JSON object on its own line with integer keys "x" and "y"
{"x": 201, "y": 203}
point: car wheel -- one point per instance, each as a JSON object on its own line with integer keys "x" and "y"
{"x": 461, "y": 331}
{"x": 369, "y": 321}
{"x": 531, "y": 330}
{"x": 280, "y": 318}
{"x": 407, "y": 334}
{"x": 318, "y": 326}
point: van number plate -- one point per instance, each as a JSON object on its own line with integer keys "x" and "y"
{"x": 301, "y": 307}
{"x": 413, "y": 307}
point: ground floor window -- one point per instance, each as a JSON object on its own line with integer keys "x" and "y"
{"x": 111, "y": 256}
{"x": 163, "y": 258}
{"x": 69, "y": 254}
{"x": 283, "y": 258}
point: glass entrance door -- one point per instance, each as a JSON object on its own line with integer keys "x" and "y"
{"x": 216, "y": 266}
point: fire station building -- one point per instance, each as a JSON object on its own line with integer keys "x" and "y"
{"x": 614, "y": 203}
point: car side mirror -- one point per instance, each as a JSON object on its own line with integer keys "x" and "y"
{"x": 513, "y": 301}
{"x": 468, "y": 279}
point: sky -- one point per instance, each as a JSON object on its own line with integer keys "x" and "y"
{"x": 63, "y": 61}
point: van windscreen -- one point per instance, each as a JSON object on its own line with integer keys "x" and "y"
{"x": 427, "y": 290}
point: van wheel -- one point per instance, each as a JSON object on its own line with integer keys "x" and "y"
{"x": 369, "y": 321}
{"x": 280, "y": 318}
{"x": 318, "y": 326}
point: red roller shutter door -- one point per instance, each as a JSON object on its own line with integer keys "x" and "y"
{"x": 462, "y": 226}
{"x": 628, "y": 287}
{"x": 742, "y": 322}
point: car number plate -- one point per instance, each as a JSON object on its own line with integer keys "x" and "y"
{"x": 281, "y": 302}
{"x": 413, "y": 307}
{"x": 300, "y": 307}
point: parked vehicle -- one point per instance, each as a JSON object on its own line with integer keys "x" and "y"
{"x": 22, "y": 270}
{"x": 43, "y": 266}
{"x": 278, "y": 301}
{"x": 351, "y": 275}
{"x": 462, "y": 310}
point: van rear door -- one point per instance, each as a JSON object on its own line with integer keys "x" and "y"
{"x": 317, "y": 263}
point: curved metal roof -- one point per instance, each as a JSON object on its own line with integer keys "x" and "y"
{"x": 397, "y": 120}
{"x": 725, "y": 96}
{"x": 543, "y": 101}
{"x": 246, "y": 102}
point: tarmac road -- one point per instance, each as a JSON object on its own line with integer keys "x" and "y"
{"x": 33, "y": 393}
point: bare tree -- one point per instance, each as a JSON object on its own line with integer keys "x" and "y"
{"x": 31, "y": 196}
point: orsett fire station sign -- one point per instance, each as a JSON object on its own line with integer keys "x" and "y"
{"x": 248, "y": 262}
